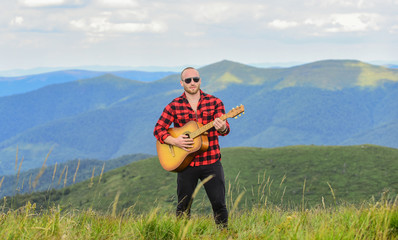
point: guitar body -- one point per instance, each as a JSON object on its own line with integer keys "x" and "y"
{"x": 175, "y": 159}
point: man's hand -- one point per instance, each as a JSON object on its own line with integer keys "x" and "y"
{"x": 183, "y": 142}
{"x": 220, "y": 125}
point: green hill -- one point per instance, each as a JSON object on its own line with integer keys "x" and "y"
{"x": 326, "y": 74}
{"x": 60, "y": 175}
{"x": 336, "y": 75}
{"x": 281, "y": 176}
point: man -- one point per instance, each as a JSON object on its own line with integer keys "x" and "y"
{"x": 195, "y": 105}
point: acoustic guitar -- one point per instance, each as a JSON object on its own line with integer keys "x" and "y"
{"x": 175, "y": 159}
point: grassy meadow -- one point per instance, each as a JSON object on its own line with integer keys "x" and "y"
{"x": 370, "y": 220}
{"x": 297, "y": 192}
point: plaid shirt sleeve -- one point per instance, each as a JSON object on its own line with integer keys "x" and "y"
{"x": 163, "y": 124}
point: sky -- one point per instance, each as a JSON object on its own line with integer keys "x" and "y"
{"x": 69, "y": 33}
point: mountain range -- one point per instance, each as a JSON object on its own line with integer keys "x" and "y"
{"x": 330, "y": 102}
{"x": 23, "y": 84}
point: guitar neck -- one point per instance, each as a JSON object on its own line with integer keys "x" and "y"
{"x": 206, "y": 127}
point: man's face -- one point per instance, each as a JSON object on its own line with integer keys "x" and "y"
{"x": 192, "y": 87}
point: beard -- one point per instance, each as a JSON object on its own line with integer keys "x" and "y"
{"x": 192, "y": 91}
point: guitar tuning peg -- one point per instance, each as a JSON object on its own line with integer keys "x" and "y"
{"x": 236, "y": 117}
{"x": 240, "y": 115}
{"x": 243, "y": 112}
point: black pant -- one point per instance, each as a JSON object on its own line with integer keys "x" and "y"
{"x": 187, "y": 181}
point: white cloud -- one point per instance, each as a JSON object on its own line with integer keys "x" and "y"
{"x": 393, "y": 29}
{"x": 218, "y": 12}
{"x": 213, "y": 12}
{"x": 227, "y": 29}
{"x": 103, "y": 25}
{"x": 348, "y": 22}
{"x": 41, "y": 3}
{"x": 259, "y": 11}
{"x": 48, "y": 3}
{"x": 315, "y": 22}
{"x": 334, "y": 4}
{"x": 282, "y": 24}
{"x": 125, "y": 14}
{"x": 118, "y": 3}
{"x": 17, "y": 21}
{"x": 354, "y": 22}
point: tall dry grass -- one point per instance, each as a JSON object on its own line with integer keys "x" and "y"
{"x": 371, "y": 220}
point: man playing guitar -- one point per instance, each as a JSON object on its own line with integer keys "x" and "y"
{"x": 195, "y": 105}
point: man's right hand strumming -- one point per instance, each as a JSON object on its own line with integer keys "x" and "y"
{"x": 183, "y": 142}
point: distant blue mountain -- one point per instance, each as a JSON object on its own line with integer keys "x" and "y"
{"x": 23, "y": 84}
{"x": 331, "y": 102}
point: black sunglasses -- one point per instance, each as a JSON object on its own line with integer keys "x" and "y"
{"x": 188, "y": 80}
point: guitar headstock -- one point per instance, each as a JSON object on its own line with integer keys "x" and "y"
{"x": 239, "y": 110}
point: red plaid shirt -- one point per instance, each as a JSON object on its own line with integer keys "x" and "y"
{"x": 179, "y": 112}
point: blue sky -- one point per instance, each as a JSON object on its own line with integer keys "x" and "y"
{"x": 69, "y": 33}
